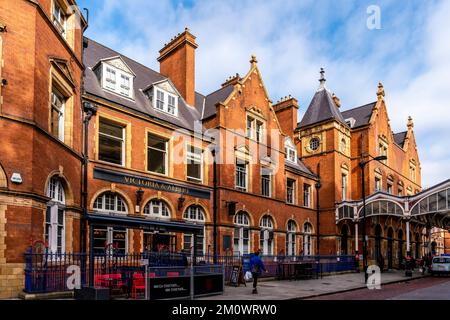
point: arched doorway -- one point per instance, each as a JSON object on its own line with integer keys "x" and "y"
{"x": 390, "y": 247}
{"x": 378, "y": 232}
{"x": 344, "y": 240}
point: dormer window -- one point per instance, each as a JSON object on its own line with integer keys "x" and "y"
{"x": 165, "y": 101}
{"x": 290, "y": 151}
{"x": 115, "y": 76}
{"x": 350, "y": 122}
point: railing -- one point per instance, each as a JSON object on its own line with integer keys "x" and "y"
{"x": 54, "y": 272}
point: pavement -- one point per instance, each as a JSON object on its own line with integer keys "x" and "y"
{"x": 304, "y": 289}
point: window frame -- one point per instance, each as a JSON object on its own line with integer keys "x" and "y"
{"x": 116, "y": 210}
{"x": 163, "y": 206}
{"x": 53, "y": 229}
{"x": 161, "y": 101}
{"x": 59, "y": 14}
{"x": 105, "y": 135}
{"x": 56, "y": 93}
{"x": 266, "y": 181}
{"x": 293, "y": 191}
{"x": 189, "y": 157}
{"x": 344, "y": 186}
{"x": 116, "y": 85}
{"x": 307, "y": 194}
{"x": 291, "y": 238}
{"x": 240, "y": 228}
{"x": 165, "y": 152}
{"x": 245, "y": 173}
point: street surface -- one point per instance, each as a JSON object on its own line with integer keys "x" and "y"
{"x": 429, "y": 288}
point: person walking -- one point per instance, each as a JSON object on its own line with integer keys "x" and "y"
{"x": 256, "y": 267}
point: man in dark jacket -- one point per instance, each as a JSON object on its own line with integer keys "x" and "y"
{"x": 256, "y": 266}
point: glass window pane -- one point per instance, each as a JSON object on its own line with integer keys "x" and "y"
{"x": 433, "y": 203}
{"x": 442, "y": 201}
{"x": 110, "y": 150}
{"x": 156, "y": 161}
{"x": 111, "y": 129}
{"x": 156, "y": 142}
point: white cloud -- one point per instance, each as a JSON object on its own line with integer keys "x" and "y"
{"x": 292, "y": 40}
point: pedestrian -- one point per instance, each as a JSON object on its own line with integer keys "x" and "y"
{"x": 256, "y": 266}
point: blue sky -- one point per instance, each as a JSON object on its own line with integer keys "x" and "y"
{"x": 292, "y": 40}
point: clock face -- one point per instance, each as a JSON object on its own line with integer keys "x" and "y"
{"x": 314, "y": 144}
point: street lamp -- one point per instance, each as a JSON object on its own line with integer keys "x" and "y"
{"x": 362, "y": 165}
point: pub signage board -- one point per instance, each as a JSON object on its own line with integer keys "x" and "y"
{"x": 169, "y": 288}
{"x": 143, "y": 182}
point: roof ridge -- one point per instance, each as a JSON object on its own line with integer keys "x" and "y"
{"x": 365, "y": 105}
{"x": 122, "y": 55}
{"x": 218, "y": 90}
{"x": 401, "y": 132}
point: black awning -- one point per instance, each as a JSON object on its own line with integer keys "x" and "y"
{"x": 144, "y": 224}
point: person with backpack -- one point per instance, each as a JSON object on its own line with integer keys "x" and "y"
{"x": 256, "y": 267}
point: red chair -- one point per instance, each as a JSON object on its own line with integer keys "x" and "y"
{"x": 172, "y": 274}
{"x": 138, "y": 285}
{"x": 99, "y": 280}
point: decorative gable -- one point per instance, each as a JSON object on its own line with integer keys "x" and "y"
{"x": 119, "y": 63}
{"x": 64, "y": 68}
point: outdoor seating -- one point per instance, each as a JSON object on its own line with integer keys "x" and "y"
{"x": 172, "y": 274}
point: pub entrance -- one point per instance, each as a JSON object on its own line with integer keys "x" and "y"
{"x": 157, "y": 242}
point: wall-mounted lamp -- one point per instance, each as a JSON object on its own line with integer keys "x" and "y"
{"x": 181, "y": 201}
{"x": 4, "y": 82}
{"x": 3, "y": 27}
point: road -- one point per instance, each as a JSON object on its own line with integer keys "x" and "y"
{"x": 429, "y": 288}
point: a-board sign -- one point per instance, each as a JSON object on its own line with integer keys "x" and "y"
{"x": 236, "y": 276}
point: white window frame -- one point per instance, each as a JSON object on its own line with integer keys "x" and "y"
{"x": 56, "y": 192}
{"x": 307, "y": 239}
{"x": 110, "y": 236}
{"x": 198, "y": 219}
{"x": 114, "y": 138}
{"x": 265, "y": 180}
{"x": 241, "y": 223}
{"x": 291, "y": 238}
{"x": 115, "y": 210}
{"x": 307, "y": 195}
{"x": 344, "y": 186}
{"x": 378, "y": 186}
{"x": 116, "y": 84}
{"x": 294, "y": 187}
{"x": 254, "y": 129}
{"x": 161, "y": 99}
{"x": 60, "y": 18}
{"x": 192, "y": 156}
{"x": 246, "y": 173}
{"x": 56, "y": 94}
{"x": 160, "y": 205}
{"x": 166, "y": 153}
{"x": 266, "y": 243}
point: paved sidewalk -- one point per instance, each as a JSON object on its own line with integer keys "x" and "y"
{"x": 301, "y": 289}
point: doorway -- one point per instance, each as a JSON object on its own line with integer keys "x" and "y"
{"x": 378, "y": 232}
{"x": 344, "y": 240}
{"x": 156, "y": 242}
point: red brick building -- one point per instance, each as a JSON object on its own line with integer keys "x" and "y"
{"x": 151, "y": 159}
{"x": 40, "y": 118}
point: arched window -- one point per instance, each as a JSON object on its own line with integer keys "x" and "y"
{"x": 343, "y": 145}
{"x": 109, "y": 202}
{"x": 157, "y": 209}
{"x": 291, "y": 247}
{"x": 241, "y": 243}
{"x": 307, "y": 239}
{"x": 55, "y": 217}
{"x": 197, "y": 215}
{"x": 266, "y": 235}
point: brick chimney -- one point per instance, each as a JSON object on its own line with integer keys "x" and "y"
{"x": 286, "y": 111}
{"x": 177, "y": 62}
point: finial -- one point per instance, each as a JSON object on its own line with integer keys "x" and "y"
{"x": 322, "y": 79}
{"x": 186, "y": 29}
{"x": 380, "y": 94}
{"x": 410, "y": 123}
{"x": 253, "y": 61}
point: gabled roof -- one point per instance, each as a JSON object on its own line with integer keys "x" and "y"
{"x": 322, "y": 108}
{"x": 360, "y": 114}
{"x": 399, "y": 138}
{"x": 95, "y": 52}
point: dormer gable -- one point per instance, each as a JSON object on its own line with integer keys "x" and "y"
{"x": 164, "y": 96}
{"x": 290, "y": 150}
{"x": 116, "y": 76}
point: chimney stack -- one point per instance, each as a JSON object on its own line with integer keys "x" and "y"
{"x": 177, "y": 62}
{"x": 286, "y": 110}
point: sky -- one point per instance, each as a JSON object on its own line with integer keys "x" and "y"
{"x": 407, "y": 48}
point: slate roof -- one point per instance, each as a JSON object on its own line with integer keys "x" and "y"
{"x": 322, "y": 108}
{"x": 94, "y": 52}
{"x": 399, "y": 138}
{"x": 212, "y": 99}
{"x": 299, "y": 166}
{"x": 360, "y": 114}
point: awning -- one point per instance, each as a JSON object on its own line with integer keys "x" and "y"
{"x": 144, "y": 224}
